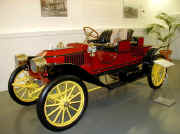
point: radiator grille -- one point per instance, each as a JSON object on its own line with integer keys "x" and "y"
{"x": 77, "y": 59}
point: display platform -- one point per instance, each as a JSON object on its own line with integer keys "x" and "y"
{"x": 165, "y": 101}
{"x": 165, "y": 95}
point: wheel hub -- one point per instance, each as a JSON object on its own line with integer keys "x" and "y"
{"x": 66, "y": 104}
{"x": 24, "y": 87}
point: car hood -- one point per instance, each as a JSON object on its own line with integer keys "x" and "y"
{"x": 71, "y": 49}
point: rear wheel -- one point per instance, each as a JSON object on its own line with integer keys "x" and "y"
{"x": 156, "y": 76}
{"x": 24, "y": 89}
{"x": 62, "y": 103}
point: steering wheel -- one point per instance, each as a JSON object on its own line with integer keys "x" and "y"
{"x": 90, "y": 33}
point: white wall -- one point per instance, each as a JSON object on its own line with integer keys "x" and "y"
{"x": 23, "y": 30}
{"x": 153, "y": 7}
{"x": 19, "y": 16}
{"x": 25, "y": 16}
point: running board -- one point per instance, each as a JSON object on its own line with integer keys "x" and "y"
{"x": 130, "y": 78}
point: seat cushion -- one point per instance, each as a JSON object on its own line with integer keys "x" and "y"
{"x": 118, "y": 35}
{"x": 124, "y": 46}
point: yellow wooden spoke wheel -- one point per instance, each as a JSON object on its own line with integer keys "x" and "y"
{"x": 156, "y": 76}
{"x": 23, "y": 88}
{"x": 62, "y": 103}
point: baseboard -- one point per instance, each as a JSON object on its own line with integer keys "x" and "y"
{"x": 2, "y": 90}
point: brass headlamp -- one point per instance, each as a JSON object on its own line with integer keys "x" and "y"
{"x": 38, "y": 64}
{"x": 20, "y": 59}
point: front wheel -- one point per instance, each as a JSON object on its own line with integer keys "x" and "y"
{"x": 23, "y": 88}
{"x": 62, "y": 103}
{"x": 156, "y": 76}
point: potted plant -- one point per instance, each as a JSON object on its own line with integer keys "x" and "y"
{"x": 164, "y": 32}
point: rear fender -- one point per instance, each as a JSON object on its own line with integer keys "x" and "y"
{"x": 148, "y": 60}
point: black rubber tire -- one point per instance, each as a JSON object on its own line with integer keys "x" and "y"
{"x": 10, "y": 87}
{"x": 149, "y": 77}
{"x": 42, "y": 99}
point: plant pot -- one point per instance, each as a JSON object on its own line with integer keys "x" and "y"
{"x": 166, "y": 54}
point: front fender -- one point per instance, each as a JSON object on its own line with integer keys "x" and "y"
{"x": 55, "y": 71}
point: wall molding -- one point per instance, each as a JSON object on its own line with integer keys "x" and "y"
{"x": 64, "y": 32}
{"x": 40, "y": 34}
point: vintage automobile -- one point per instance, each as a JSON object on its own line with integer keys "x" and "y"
{"x": 54, "y": 79}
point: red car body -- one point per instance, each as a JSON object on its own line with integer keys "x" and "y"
{"x": 103, "y": 60}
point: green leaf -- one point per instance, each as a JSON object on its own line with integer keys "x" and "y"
{"x": 176, "y": 27}
{"x": 154, "y": 29}
{"x": 159, "y": 30}
{"x": 149, "y": 29}
{"x": 158, "y": 33}
{"x": 158, "y": 26}
{"x": 167, "y": 37}
{"x": 161, "y": 39}
{"x": 169, "y": 20}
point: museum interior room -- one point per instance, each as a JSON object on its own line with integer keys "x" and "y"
{"x": 90, "y": 66}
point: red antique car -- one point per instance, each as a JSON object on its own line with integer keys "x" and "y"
{"x": 54, "y": 79}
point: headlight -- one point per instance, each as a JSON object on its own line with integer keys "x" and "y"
{"x": 21, "y": 59}
{"x": 38, "y": 64}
